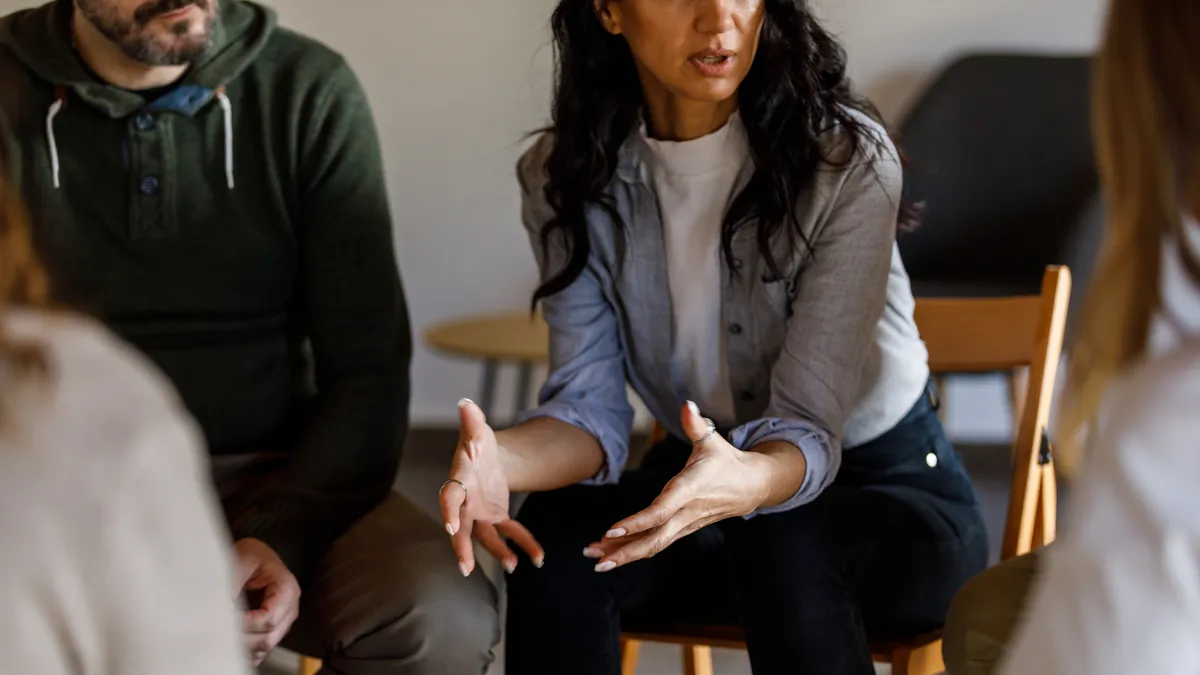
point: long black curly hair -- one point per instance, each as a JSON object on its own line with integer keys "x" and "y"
{"x": 796, "y": 90}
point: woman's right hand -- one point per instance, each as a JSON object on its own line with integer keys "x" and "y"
{"x": 474, "y": 500}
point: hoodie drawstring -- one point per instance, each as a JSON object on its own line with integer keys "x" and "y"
{"x": 227, "y": 108}
{"x": 60, "y": 100}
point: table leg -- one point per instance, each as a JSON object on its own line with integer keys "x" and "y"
{"x": 524, "y": 382}
{"x": 487, "y": 393}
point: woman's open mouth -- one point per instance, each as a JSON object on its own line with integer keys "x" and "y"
{"x": 713, "y": 62}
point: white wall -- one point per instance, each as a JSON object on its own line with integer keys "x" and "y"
{"x": 456, "y": 83}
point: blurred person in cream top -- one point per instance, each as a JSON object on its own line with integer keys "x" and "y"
{"x": 112, "y": 558}
{"x": 1120, "y": 592}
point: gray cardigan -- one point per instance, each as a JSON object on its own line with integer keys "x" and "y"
{"x": 829, "y": 356}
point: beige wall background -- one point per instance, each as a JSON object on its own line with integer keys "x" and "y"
{"x": 455, "y": 85}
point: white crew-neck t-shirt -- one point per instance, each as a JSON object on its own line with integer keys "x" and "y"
{"x": 695, "y": 181}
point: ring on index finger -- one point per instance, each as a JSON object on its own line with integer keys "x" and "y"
{"x": 455, "y": 481}
{"x": 712, "y": 431}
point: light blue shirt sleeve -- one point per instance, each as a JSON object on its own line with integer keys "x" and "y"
{"x": 586, "y": 387}
{"x": 822, "y": 455}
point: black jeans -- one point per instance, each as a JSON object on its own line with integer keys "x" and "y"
{"x": 878, "y": 555}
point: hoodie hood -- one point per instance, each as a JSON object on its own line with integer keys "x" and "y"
{"x": 41, "y": 39}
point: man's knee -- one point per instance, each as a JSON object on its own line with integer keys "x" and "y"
{"x": 984, "y": 615}
{"x": 392, "y": 600}
{"x": 445, "y": 623}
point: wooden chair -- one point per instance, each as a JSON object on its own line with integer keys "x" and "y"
{"x": 964, "y": 336}
{"x": 309, "y": 665}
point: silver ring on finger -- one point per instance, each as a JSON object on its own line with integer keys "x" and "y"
{"x": 455, "y": 481}
{"x": 712, "y": 431}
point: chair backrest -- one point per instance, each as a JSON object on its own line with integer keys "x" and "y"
{"x": 979, "y": 335}
{"x": 999, "y": 151}
{"x": 986, "y": 335}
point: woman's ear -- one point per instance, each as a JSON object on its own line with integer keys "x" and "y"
{"x": 609, "y": 15}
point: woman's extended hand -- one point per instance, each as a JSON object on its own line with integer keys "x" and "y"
{"x": 718, "y": 482}
{"x": 474, "y": 500}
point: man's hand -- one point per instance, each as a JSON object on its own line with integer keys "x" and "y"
{"x": 260, "y": 569}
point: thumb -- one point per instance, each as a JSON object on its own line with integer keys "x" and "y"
{"x": 473, "y": 424}
{"x": 244, "y": 572}
{"x": 695, "y": 425}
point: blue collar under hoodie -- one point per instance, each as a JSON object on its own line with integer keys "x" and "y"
{"x": 40, "y": 39}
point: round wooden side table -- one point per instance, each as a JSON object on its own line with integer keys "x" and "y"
{"x": 495, "y": 339}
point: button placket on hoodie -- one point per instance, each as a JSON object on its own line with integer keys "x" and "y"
{"x": 152, "y": 176}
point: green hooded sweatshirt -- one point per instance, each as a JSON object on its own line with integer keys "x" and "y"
{"x": 236, "y": 228}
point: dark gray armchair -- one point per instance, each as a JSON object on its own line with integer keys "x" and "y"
{"x": 1000, "y": 153}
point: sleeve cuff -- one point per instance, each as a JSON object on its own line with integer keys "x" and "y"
{"x": 822, "y": 455}
{"x": 277, "y": 527}
{"x": 614, "y": 444}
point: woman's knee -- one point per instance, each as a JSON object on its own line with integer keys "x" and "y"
{"x": 800, "y": 541}
{"x": 572, "y": 517}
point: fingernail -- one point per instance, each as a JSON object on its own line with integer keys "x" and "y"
{"x": 693, "y": 407}
{"x": 510, "y": 565}
{"x": 463, "y": 402}
{"x": 615, "y": 533}
{"x": 462, "y": 567}
{"x": 449, "y": 529}
{"x": 593, "y": 552}
{"x": 606, "y": 566}
{"x": 538, "y": 562}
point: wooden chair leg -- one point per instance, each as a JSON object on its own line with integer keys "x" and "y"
{"x": 926, "y": 660}
{"x": 1046, "y": 521}
{"x": 629, "y": 655}
{"x": 309, "y": 665}
{"x": 697, "y": 660}
{"x": 1018, "y": 387}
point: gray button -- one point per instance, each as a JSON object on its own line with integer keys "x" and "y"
{"x": 149, "y": 186}
{"x": 144, "y": 122}
{"x": 736, "y": 328}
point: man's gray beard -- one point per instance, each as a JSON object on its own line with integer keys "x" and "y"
{"x": 128, "y": 36}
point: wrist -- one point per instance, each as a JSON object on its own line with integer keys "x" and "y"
{"x": 759, "y": 469}
{"x": 785, "y": 469}
{"x": 511, "y": 462}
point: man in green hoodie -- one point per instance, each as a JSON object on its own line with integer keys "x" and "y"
{"x": 211, "y": 186}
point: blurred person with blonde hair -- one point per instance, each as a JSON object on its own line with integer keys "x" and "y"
{"x": 112, "y": 552}
{"x": 1120, "y": 593}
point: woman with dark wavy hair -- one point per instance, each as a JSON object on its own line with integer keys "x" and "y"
{"x": 715, "y": 213}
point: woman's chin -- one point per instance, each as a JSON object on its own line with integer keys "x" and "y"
{"x": 710, "y": 91}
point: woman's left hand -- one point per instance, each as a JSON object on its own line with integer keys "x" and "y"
{"x": 718, "y": 482}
